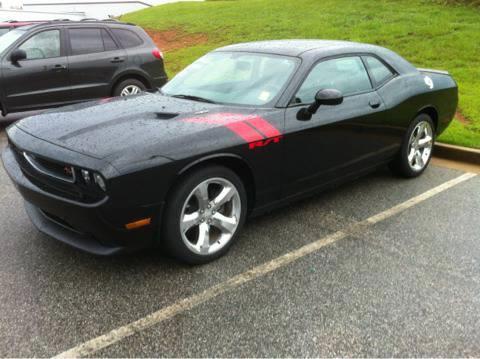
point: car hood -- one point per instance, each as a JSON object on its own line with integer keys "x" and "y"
{"x": 111, "y": 128}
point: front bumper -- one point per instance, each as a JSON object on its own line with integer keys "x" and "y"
{"x": 94, "y": 228}
{"x": 58, "y": 230}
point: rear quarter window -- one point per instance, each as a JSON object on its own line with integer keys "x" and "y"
{"x": 378, "y": 70}
{"x": 127, "y": 38}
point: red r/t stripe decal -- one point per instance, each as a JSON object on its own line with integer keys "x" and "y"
{"x": 243, "y": 130}
{"x": 264, "y": 127}
{"x": 263, "y": 143}
{"x": 250, "y": 128}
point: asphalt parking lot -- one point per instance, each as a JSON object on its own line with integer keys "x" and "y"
{"x": 406, "y": 284}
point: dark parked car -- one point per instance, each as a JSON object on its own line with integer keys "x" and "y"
{"x": 63, "y": 62}
{"x": 243, "y": 129}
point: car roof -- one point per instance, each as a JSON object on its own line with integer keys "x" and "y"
{"x": 319, "y": 49}
{"x": 285, "y": 47}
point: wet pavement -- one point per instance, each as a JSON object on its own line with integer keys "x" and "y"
{"x": 407, "y": 286}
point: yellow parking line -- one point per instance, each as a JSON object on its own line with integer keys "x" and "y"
{"x": 183, "y": 305}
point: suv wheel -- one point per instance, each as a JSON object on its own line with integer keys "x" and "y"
{"x": 129, "y": 87}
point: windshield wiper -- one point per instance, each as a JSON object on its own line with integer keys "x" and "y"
{"x": 194, "y": 98}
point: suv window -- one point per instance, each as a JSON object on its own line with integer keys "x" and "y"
{"x": 43, "y": 45}
{"x": 379, "y": 71}
{"x": 127, "y": 38}
{"x": 89, "y": 41}
{"x": 346, "y": 74}
{"x": 108, "y": 42}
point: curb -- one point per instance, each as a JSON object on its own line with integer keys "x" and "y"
{"x": 457, "y": 153}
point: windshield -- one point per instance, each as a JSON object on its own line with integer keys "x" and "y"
{"x": 233, "y": 78}
{"x": 9, "y": 38}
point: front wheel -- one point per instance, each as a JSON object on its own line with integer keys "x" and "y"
{"x": 204, "y": 215}
{"x": 417, "y": 148}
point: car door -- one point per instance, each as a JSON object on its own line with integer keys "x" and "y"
{"x": 94, "y": 59}
{"x": 338, "y": 140}
{"x": 40, "y": 80}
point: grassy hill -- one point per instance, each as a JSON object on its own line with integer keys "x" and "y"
{"x": 427, "y": 33}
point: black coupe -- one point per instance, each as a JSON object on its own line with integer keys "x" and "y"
{"x": 243, "y": 129}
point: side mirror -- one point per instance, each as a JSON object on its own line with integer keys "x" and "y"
{"x": 329, "y": 97}
{"x": 18, "y": 55}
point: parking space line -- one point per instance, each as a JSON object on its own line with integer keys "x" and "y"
{"x": 417, "y": 199}
{"x": 92, "y": 346}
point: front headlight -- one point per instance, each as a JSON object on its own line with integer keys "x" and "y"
{"x": 100, "y": 181}
{"x": 95, "y": 179}
{"x": 86, "y": 176}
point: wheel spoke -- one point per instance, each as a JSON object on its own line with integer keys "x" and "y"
{"x": 421, "y": 129}
{"x": 201, "y": 193}
{"x": 418, "y": 159}
{"x": 415, "y": 135}
{"x": 411, "y": 155}
{"x": 189, "y": 220}
{"x": 223, "y": 197}
{"x": 224, "y": 223}
{"x": 203, "y": 243}
{"x": 424, "y": 142}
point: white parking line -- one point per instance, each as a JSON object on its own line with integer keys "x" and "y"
{"x": 92, "y": 346}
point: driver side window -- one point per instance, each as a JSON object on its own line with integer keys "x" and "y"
{"x": 43, "y": 45}
{"x": 345, "y": 74}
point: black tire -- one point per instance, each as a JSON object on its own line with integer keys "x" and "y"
{"x": 171, "y": 234}
{"x": 400, "y": 165}
{"x": 117, "y": 91}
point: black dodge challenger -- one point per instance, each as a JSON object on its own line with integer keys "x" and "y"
{"x": 243, "y": 129}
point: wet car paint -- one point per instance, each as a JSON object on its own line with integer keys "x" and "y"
{"x": 142, "y": 145}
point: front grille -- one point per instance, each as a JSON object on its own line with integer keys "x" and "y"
{"x": 50, "y": 176}
{"x": 50, "y": 168}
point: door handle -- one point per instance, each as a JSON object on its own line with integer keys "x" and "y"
{"x": 58, "y": 67}
{"x": 117, "y": 60}
{"x": 374, "y": 103}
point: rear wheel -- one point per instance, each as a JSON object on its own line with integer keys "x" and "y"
{"x": 204, "y": 215}
{"x": 129, "y": 87}
{"x": 417, "y": 148}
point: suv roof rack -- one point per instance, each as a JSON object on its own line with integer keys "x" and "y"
{"x": 86, "y": 20}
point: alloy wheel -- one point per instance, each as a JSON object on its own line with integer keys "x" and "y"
{"x": 130, "y": 90}
{"x": 210, "y": 216}
{"x": 420, "y": 145}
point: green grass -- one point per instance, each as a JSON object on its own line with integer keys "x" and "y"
{"x": 427, "y": 33}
